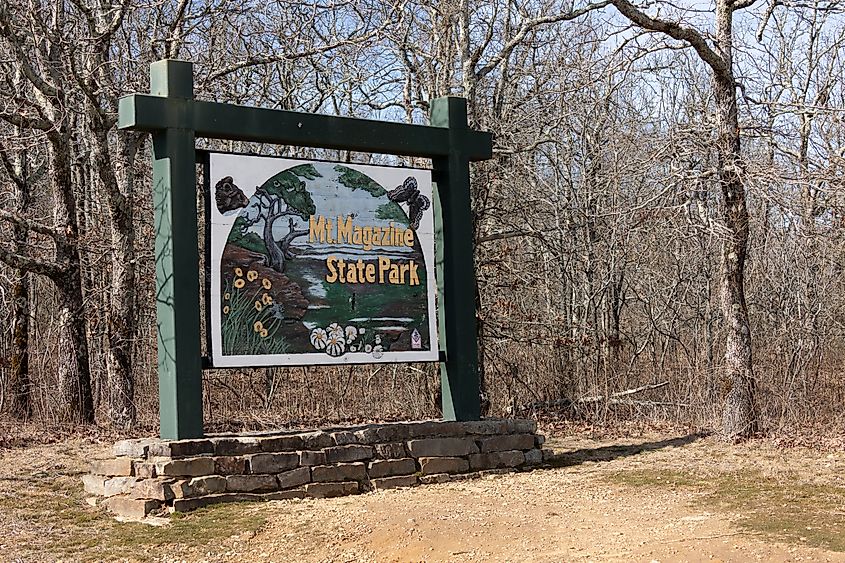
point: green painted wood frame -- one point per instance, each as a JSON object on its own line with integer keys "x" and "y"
{"x": 174, "y": 118}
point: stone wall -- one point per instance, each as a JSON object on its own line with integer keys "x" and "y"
{"x": 152, "y": 475}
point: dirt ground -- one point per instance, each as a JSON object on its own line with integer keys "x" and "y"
{"x": 649, "y": 498}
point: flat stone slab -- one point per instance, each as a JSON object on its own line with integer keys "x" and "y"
{"x": 391, "y": 467}
{"x": 433, "y": 465}
{"x": 181, "y": 448}
{"x": 328, "y": 490}
{"x": 496, "y": 460}
{"x": 352, "y": 452}
{"x": 188, "y": 504}
{"x": 294, "y": 477}
{"x": 273, "y": 463}
{"x": 115, "y": 467}
{"x": 339, "y": 472}
{"x": 442, "y": 447}
{"x": 508, "y": 442}
{"x": 393, "y": 450}
{"x": 395, "y": 482}
{"x": 199, "y": 486}
{"x": 131, "y": 508}
{"x": 307, "y": 458}
{"x": 251, "y": 483}
{"x": 194, "y": 467}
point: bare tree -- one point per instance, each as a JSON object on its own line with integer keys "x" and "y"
{"x": 739, "y": 419}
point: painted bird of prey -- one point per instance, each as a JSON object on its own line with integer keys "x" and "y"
{"x": 410, "y": 194}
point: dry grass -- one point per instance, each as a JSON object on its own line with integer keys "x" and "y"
{"x": 44, "y": 516}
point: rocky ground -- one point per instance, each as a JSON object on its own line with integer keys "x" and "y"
{"x": 649, "y": 498}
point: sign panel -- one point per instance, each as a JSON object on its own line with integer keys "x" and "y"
{"x": 317, "y": 262}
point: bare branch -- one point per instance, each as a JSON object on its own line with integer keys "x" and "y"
{"x": 30, "y": 264}
{"x": 529, "y": 26}
{"x": 676, "y": 31}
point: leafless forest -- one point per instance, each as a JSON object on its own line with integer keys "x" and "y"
{"x": 665, "y": 207}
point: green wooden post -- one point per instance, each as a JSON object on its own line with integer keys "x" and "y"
{"x": 177, "y": 258}
{"x": 455, "y": 272}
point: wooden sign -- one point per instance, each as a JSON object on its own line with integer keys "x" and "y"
{"x": 176, "y": 119}
{"x": 319, "y": 263}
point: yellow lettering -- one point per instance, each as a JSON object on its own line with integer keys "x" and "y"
{"x": 370, "y": 273}
{"x": 383, "y": 266}
{"x": 331, "y": 277}
{"x": 394, "y": 274}
{"x": 344, "y": 229}
{"x": 414, "y": 278}
{"x": 317, "y": 229}
{"x": 341, "y": 265}
{"x": 409, "y": 237}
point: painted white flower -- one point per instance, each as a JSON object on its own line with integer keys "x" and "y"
{"x": 335, "y": 345}
{"x": 351, "y": 333}
{"x": 361, "y": 330}
{"x": 378, "y": 339}
{"x": 353, "y": 348}
{"x": 368, "y": 348}
{"x": 336, "y": 329}
{"x": 378, "y": 352}
{"x": 319, "y": 338}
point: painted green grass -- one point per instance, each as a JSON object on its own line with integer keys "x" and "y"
{"x": 247, "y": 329}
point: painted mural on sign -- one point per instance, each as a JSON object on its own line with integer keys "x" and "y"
{"x": 320, "y": 263}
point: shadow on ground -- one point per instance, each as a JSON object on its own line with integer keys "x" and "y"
{"x": 609, "y": 453}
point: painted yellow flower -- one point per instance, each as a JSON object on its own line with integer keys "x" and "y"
{"x": 258, "y": 306}
{"x": 263, "y": 333}
{"x": 258, "y": 326}
{"x": 239, "y": 272}
{"x": 252, "y": 275}
{"x": 226, "y": 296}
{"x": 266, "y": 299}
{"x": 239, "y": 283}
{"x": 266, "y": 283}
{"x": 226, "y": 310}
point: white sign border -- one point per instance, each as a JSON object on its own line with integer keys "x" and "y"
{"x": 214, "y": 254}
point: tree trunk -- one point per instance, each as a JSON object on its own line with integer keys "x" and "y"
{"x": 739, "y": 417}
{"x": 121, "y": 326}
{"x": 19, "y": 380}
{"x": 276, "y": 254}
{"x": 74, "y": 368}
{"x": 121, "y": 316}
{"x": 292, "y": 235}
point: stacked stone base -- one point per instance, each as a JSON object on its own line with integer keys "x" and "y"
{"x": 158, "y": 476}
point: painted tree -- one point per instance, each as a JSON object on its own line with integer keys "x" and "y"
{"x": 283, "y": 195}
